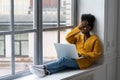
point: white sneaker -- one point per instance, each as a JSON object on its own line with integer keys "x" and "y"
{"x": 36, "y": 71}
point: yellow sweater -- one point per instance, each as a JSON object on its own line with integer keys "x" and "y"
{"x": 89, "y": 49}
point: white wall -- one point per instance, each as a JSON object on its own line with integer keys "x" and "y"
{"x": 95, "y": 7}
{"x": 105, "y": 12}
{"x": 111, "y": 14}
{"x": 110, "y": 28}
{"x": 118, "y": 69}
{"x": 118, "y": 56}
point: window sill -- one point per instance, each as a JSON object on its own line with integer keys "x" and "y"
{"x": 63, "y": 75}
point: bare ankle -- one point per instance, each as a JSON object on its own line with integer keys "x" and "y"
{"x": 46, "y": 72}
{"x": 44, "y": 67}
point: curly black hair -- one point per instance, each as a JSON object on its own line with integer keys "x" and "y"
{"x": 89, "y": 18}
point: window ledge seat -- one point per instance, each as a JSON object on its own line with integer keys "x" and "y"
{"x": 63, "y": 75}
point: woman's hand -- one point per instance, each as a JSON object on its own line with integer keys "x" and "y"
{"x": 82, "y": 24}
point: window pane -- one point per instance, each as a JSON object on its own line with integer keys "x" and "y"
{"x": 25, "y": 50}
{"x": 5, "y": 62}
{"x": 5, "y": 44}
{"x": 2, "y": 37}
{"x": 49, "y": 38}
{"x": 65, "y": 13}
{"x": 2, "y": 45}
{"x": 23, "y": 14}
{"x": 63, "y": 34}
{"x": 49, "y": 13}
{"x": 4, "y": 15}
{"x": 17, "y": 48}
{"x": 50, "y": 17}
{"x": 1, "y": 48}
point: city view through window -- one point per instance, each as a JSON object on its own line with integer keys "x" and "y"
{"x": 24, "y": 41}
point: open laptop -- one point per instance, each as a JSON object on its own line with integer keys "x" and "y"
{"x": 66, "y": 50}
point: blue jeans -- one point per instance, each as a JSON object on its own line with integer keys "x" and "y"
{"x": 61, "y": 64}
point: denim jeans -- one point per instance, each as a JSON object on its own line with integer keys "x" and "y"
{"x": 61, "y": 64}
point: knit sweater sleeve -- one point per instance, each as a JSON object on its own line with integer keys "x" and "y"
{"x": 72, "y": 36}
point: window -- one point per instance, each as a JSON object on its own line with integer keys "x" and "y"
{"x": 16, "y": 37}
{"x": 57, "y": 19}
{"x": 4, "y": 27}
{"x": 26, "y": 40}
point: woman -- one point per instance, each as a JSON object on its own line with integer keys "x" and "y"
{"x": 87, "y": 45}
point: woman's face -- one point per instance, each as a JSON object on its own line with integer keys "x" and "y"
{"x": 85, "y": 29}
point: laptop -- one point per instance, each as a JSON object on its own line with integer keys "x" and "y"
{"x": 66, "y": 50}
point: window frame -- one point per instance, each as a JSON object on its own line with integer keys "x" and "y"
{"x": 38, "y": 30}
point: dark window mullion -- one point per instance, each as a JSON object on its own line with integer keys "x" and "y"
{"x": 38, "y": 56}
{"x": 20, "y": 49}
{"x": 74, "y": 12}
{"x": 60, "y": 28}
{"x": 58, "y": 21}
{"x": 12, "y": 36}
{"x": 4, "y": 47}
